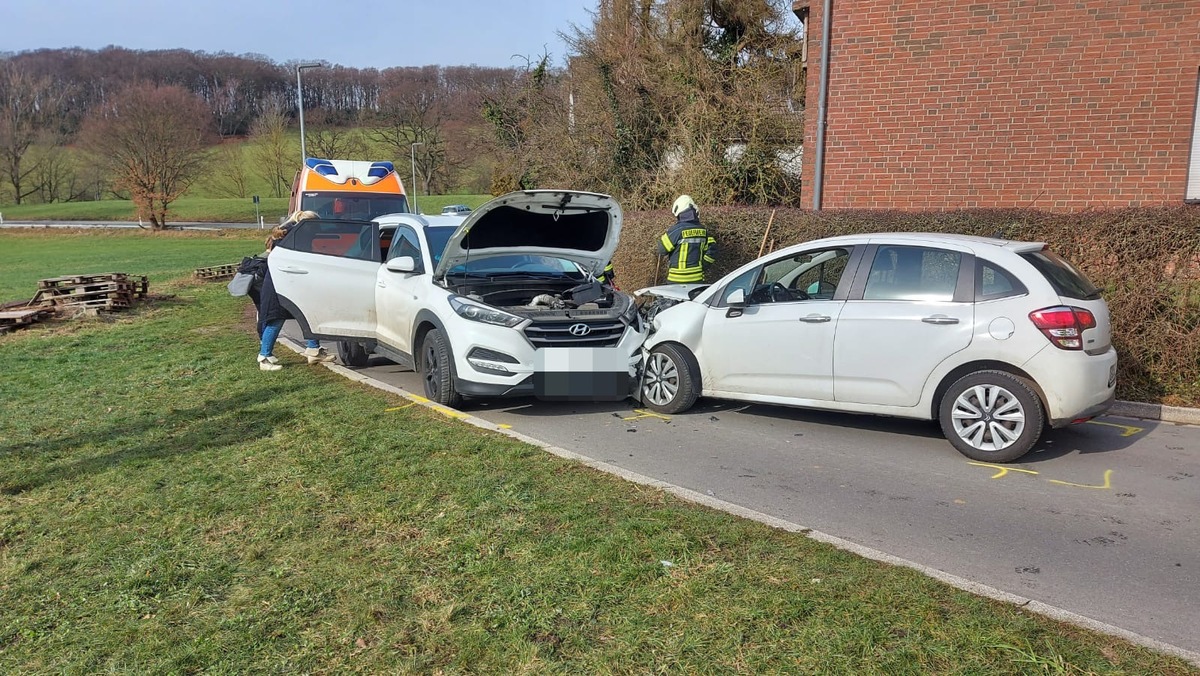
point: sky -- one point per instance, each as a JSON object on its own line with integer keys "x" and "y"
{"x": 363, "y": 34}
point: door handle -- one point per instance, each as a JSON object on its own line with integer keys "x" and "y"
{"x": 381, "y": 284}
{"x": 294, "y": 271}
{"x": 815, "y": 319}
{"x": 940, "y": 319}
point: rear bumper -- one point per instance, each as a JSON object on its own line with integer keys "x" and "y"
{"x": 1086, "y": 414}
{"x": 1075, "y": 384}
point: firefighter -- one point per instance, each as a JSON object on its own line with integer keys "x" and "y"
{"x": 687, "y": 244}
{"x": 608, "y": 276}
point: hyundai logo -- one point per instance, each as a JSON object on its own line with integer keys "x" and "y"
{"x": 579, "y": 330}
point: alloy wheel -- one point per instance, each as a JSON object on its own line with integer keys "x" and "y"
{"x": 988, "y": 417}
{"x": 661, "y": 381}
{"x": 432, "y": 376}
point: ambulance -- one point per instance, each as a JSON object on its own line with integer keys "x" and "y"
{"x": 348, "y": 189}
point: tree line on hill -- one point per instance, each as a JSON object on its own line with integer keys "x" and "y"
{"x": 656, "y": 97}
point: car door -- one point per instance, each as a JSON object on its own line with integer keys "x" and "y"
{"x": 399, "y": 295}
{"x": 780, "y": 342}
{"x": 326, "y": 270}
{"x": 909, "y": 310}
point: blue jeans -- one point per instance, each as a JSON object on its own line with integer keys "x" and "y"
{"x": 270, "y": 334}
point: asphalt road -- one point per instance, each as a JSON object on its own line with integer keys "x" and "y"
{"x": 1102, "y": 519}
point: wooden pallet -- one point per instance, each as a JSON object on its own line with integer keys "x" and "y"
{"x": 107, "y": 292}
{"x": 10, "y": 320}
{"x": 216, "y": 271}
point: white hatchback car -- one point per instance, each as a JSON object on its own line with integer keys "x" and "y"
{"x": 503, "y": 302}
{"x": 994, "y": 339}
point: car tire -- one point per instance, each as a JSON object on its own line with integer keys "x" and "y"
{"x": 991, "y": 416}
{"x": 352, "y": 353}
{"x": 671, "y": 381}
{"x": 437, "y": 369}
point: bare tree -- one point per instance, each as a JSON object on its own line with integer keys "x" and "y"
{"x": 29, "y": 105}
{"x": 333, "y": 143}
{"x": 57, "y": 176}
{"x": 274, "y": 153}
{"x": 227, "y": 172}
{"x": 415, "y": 112}
{"x": 155, "y": 140}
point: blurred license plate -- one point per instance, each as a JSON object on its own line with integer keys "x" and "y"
{"x": 581, "y": 374}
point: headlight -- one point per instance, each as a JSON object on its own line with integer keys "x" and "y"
{"x": 483, "y": 313}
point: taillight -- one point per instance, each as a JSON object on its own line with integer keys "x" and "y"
{"x": 1063, "y": 325}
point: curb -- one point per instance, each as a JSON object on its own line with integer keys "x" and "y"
{"x": 688, "y": 495}
{"x": 1171, "y": 414}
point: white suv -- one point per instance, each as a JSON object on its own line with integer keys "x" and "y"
{"x": 503, "y": 302}
{"x": 994, "y": 339}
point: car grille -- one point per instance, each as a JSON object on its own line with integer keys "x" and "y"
{"x": 601, "y": 333}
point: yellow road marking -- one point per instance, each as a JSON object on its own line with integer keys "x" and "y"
{"x": 642, "y": 413}
{"x": 1107, "y": 482}
{"x": 1002, "y": 469}
{"x": 1126, "y": 430}
{"x": 398, "y": 408}
{"x": 504, "y": 427}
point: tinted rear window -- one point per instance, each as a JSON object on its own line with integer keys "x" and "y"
{"x": 1066, "y": 280}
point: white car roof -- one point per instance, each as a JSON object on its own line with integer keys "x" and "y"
{"x": 929, "y": 238}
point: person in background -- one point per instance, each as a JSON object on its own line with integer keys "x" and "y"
{"x": 272, "y": 315}
{"x": 687, "y": 244}
{"x": 608, "y": 277}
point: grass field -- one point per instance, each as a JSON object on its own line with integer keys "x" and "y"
{"x": 196, "y": 209}
{"x": 166, "y": 507}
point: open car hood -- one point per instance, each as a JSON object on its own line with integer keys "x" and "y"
{"x": 579, "y": 226}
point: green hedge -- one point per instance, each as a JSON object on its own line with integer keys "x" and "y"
{"x": 1146, "y": 260}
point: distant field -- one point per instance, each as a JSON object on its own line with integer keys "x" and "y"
{"x": 198, "y": 209}
{"x": 212, "y": 198}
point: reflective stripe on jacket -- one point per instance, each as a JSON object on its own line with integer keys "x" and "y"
{"x": 690, "y": 249}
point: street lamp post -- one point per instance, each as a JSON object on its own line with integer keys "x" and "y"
{"x": 300, "y": 102}
{"x": 412, "y": 151}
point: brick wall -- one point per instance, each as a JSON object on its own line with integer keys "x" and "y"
{"x": 1057, "y": 105}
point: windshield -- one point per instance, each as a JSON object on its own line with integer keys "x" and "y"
{"x": 519, "y": 265}
{"x": 352, "y": 205}
{"x": 438, "y": 238}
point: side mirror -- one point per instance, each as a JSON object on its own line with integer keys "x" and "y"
{"x": 402, "y": 264}
{"x": 736, "y": 298}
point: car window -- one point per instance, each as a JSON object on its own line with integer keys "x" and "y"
{"x": 744, "y": 281}
{"x": 993, "y": 281}
{"x": 345, "y": 239}
{"x": 806, "y": 276}
{"x": 1066, "y": 280}
{"x": 405, "y": 243}
{"x": 913, "y": 273}
{"x": 353, "y": 206}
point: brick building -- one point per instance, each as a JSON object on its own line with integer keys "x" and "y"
{"x": 948, "y": 104}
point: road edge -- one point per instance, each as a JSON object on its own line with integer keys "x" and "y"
{"x": 695, "y": 497}
{"x": 1162, "y": 412}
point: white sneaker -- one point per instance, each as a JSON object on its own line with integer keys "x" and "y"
{"x": 317, "y": 355}
{"x": 268, "y": 363}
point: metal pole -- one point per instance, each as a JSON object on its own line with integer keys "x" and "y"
{"x": 822, "y": 98}
{"x": 300, "y": 103}
{"x": 300, "y": 106}
{"x": 412, "y": 151}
